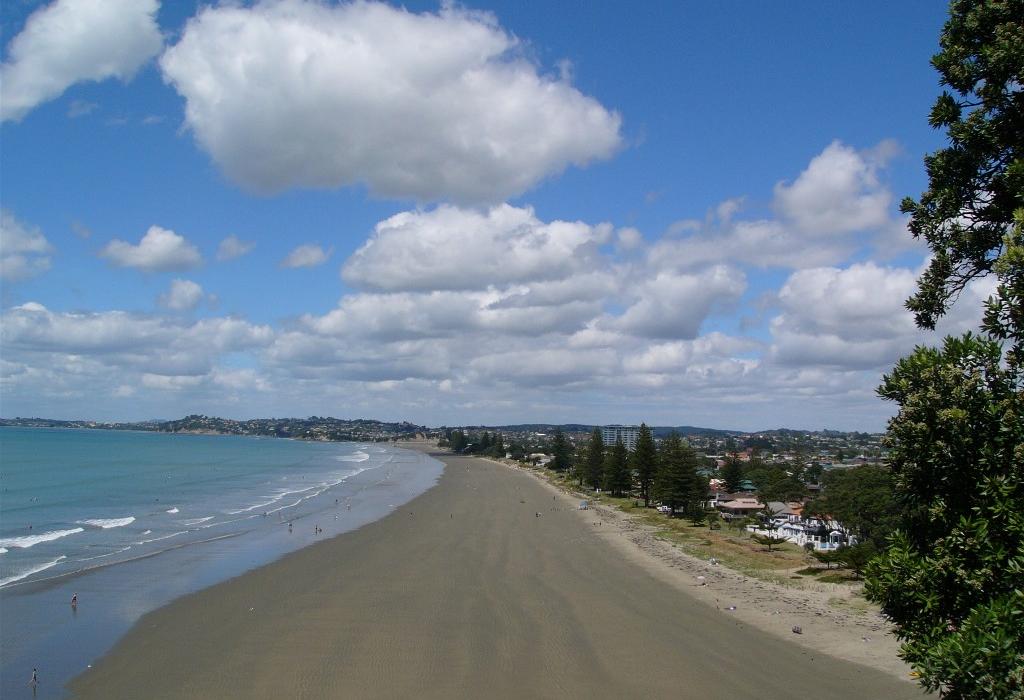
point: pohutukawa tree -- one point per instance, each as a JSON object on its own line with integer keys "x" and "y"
{"x": 952, "y": 578}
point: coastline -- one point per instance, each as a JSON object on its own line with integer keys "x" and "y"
{"x": 161, "y": 552}
{"x": 487, "y": 583}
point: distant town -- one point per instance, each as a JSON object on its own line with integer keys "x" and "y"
{"x": 825, "y": 448}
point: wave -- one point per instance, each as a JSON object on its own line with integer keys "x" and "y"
{"x": 359, "y": 456}
{"x": 107, "y": 523}
{"x": 275, "y": 499}
{"x": 3, "y": 550}
{"x": 172, "y": 511}
{"x": 194, "y": 521}
{"x": 28, "y": 572}
{"x": 108, "y": 554}
{"x": 32, "y": 540}
{"x": 165, "y": 537}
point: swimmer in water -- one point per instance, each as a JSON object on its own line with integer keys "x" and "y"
{"x": 74, "y": 600}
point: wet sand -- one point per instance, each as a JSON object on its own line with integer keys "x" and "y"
{"x": 464, "y": 592}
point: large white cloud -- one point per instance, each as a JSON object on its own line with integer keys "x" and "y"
{"x": 674, "y": 305}
{"x": 295, "y": 93}
{"x": 836, "y": 206}
{"x": 70, "y": 41}
{"x": 24, "y": 250}
{"x": 855, "y": 317}
{"x": 159, "y": 249}
{"x": 122, "y": 346}
{"x": 455, "y": 248}
{"x": 839, "y": 191}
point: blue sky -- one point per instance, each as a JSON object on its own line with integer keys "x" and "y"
{"x": 683, "y": 213}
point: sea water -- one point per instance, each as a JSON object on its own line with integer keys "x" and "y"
{"x": 131, "y": 520}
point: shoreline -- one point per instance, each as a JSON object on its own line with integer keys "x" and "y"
{"x": 183, "y": 555}
{"x": 486, "y": 583}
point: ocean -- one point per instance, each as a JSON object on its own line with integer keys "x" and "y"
{"x": 129, "y": 521}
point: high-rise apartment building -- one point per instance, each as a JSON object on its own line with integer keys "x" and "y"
{"x": 627, "y": 433}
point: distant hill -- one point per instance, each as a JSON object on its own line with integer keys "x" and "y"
{"x": 312, "y": 428}
{"x": 659, "y": 431}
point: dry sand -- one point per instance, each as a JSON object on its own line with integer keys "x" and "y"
{"x": 833, "y": 619}
{"x": 462, "y": 593}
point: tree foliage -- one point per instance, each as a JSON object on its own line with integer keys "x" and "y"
{"x": 616, "y": 469}
{"x": 953, "y": 578}
{"x": 594, "y": 467}
{"x": 774, "y": 483}
{"x": 732, "y": 474}
{"x": 561, "y": 452}
{"x": 975, "y": 183}
{"x": 958, "y": 559}
{"x": 862, "y": 500}
{"x": 644, "y": 462}
{"x": 676, "y": 483}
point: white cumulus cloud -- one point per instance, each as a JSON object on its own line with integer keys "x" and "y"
{"x": 184, "y": 295}
{"x": 70, "y": 41}
{"x": 233, "y": 247}
{"x": 296, "y": 93}
{"x": 838, "y": 192}
{"x": 24, "y": 250}
{"x": 159, "y": 250}
{"x": 455, "y": 248}
{"x": 306, "y": 255}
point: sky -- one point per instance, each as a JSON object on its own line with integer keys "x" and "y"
{"x": 484, "y": 213}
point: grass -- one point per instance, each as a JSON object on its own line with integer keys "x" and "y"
{"x": 787, "y": 564}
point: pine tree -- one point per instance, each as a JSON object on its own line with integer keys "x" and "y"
{"x": 732, "y": 474}
{"x": 595, "y": 459}
{"x": 676, "y": 483}
{"x": 644, "y": 462}
{"x": 616, "y": 469}
{"x": 562, "y": 453}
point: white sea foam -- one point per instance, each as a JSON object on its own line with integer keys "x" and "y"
{"x": 359, "y": 456}
{"x": 147, "y": 532}
{"x": 28, "y": 572}
{"x": 194, "y": 521}
{"x": 3, "y": 550}
{"x": 165, "y": 537}
{"x": 108, "y": 554}
{"x": 172, "y": 511}
{"x": 107, "y": 523}
{"x": 31, "y": 540}
{"x": 274, "y": 499}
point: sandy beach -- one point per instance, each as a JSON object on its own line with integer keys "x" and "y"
{"x": 491, "y": 584}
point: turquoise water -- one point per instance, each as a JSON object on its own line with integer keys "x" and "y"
{"x": 129, "y": 521}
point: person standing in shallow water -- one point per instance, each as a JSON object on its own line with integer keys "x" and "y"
{"x": 74, "y": 600}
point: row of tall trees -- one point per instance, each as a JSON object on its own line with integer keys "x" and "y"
{"x": 667, "y": 473}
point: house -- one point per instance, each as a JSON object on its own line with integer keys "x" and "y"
{"x": 739, "y": 507}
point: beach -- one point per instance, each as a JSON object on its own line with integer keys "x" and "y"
{"x": 489, "y": 584}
